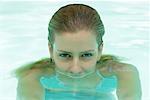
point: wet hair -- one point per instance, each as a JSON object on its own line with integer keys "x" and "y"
{"x": 73, "y": 18}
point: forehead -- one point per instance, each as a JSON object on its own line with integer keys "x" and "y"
{"x": 80, "y": 41}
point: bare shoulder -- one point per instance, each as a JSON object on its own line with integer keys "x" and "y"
{"x": 120, "y": 68}
{"x": 116, "y": 68}
{"x": 27, "y": 83}
{"x": 129, "y": 86}
{"x": 31, "y": 81}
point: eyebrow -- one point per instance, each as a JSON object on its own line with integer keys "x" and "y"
{"x": 81, "y": 52}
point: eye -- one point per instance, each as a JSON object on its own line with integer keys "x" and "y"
{"x": 67, "y": 55}
{"x": 64, "y": 55}
{"x": 87, "y": 55}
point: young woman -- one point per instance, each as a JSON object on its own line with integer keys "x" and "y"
{"x": 77, "y": 64}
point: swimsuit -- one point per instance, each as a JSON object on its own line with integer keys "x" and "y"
{"x": 56, "y": 90}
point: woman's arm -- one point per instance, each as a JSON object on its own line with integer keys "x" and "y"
{"x": 29, "y": 87}
{"x": 129, "y": 86}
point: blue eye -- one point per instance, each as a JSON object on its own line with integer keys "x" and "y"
{"x": 84, "y": 55}
{"x": 64, "y": 55}
{"x": 87, "y": 55}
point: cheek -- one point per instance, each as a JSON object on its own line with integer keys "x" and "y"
{"x": 61, "y": 65}
{"x": 89, "y": 65}
{"x": 65, "y": 66}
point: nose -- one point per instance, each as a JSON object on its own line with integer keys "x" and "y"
{"x": 75, "y": 68}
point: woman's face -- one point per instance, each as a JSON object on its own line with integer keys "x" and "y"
{"x": 75, "y": 54}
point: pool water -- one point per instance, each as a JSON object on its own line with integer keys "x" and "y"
{"x": 23, "y": 33}
{"x": 56, "y": 89}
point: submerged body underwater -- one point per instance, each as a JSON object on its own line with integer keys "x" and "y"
{"x": 56, "y": 90}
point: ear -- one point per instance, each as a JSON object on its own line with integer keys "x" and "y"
{"x": 100, "y": 48}
{"x": 50, "y": 50}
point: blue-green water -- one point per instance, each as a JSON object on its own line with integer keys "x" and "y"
{"x": 23, "y": 34}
